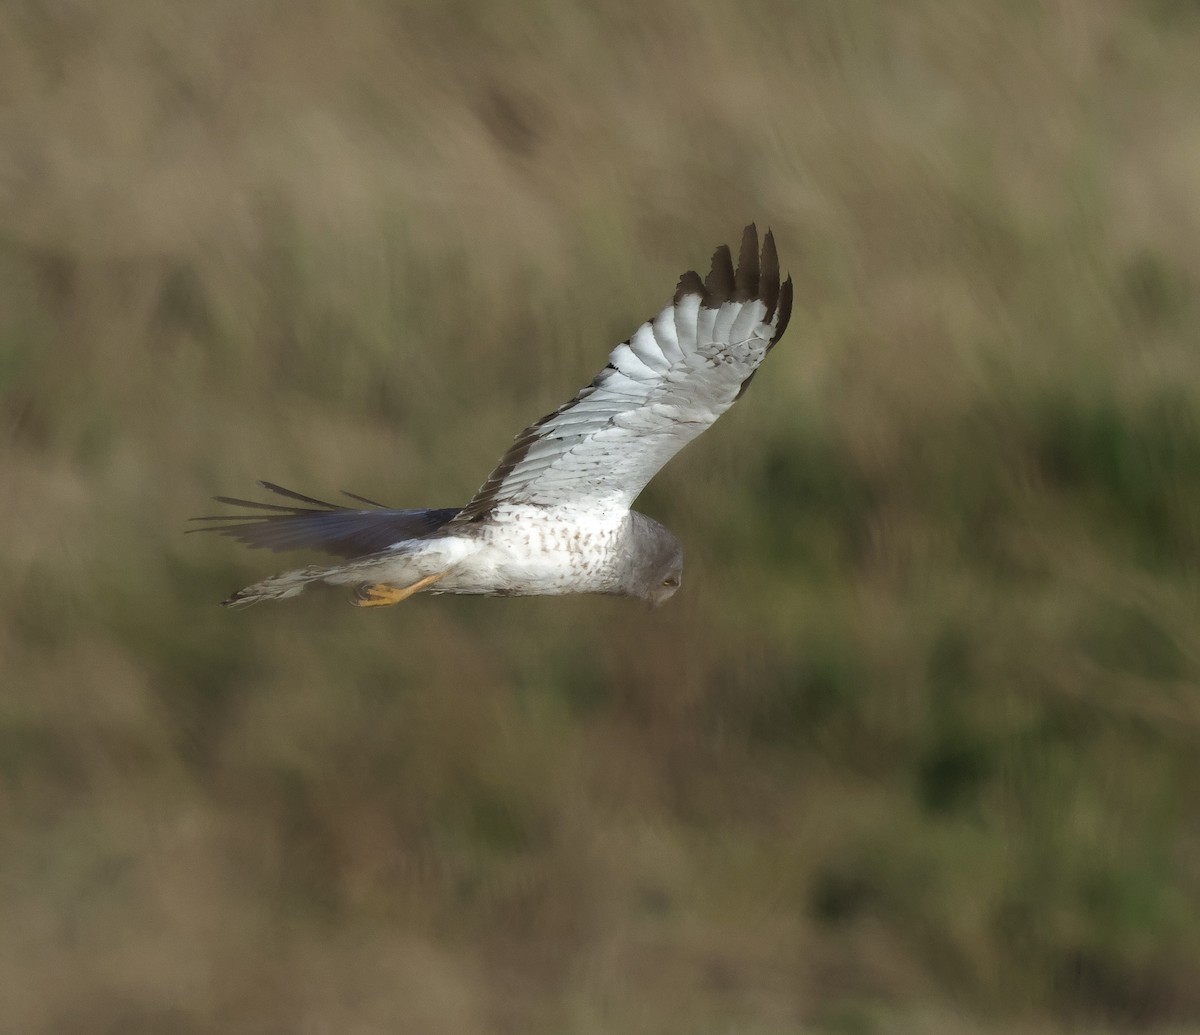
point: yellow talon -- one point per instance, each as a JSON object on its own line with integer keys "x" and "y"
{"x": 380, "y": 594}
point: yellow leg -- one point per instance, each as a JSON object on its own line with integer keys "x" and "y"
{"x": 382, "y": 595}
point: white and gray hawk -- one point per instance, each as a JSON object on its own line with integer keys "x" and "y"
{"x": 554, "y": 516}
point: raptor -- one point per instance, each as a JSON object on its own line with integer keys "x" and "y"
{"x": 555, "y": 515}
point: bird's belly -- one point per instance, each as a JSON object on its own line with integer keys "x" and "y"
{"x": 525, "y": 557}
{"x": 497, "y": 573}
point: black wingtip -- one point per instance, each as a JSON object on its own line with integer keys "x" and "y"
{"x": 291, "y": 494}
{"x": 757, "y": 275}
{"x": 747, "y": 274}
{"x": 363, "y": 499}
{"x": 689, "y": 284}
{"x": 784, "y": 310}
{"x": 768, "y": 282}
{"x": 233, "y": 501}
{"x": 719, "y": 285}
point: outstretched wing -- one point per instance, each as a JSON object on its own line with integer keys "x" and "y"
{"x": 327, "y": 527}
{"x": 664, "y": 386}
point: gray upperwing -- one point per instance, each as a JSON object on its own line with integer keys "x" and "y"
{"x": 662, "y": 388}
{"x": 327, "y": 527}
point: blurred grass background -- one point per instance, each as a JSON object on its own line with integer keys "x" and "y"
{"x": 916, "y": 747}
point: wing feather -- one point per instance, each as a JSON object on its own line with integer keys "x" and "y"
{"x": 686, "y": 311}
{"x": 662, "y": 388}
{"x": 632, "y": 365}
{"x": 706, "y": 322}
{"x": 663, "y": 329}
{"x": 645, "y": 345}
{"x": 748, "y": 317}
{"x": 721, "y": 280}
{"x": 327, "y": 527}
{"x": 746, "y": 277}
{"x": 723, "y": 324}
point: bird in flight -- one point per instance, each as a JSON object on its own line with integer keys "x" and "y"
{"x": 554, "y": 516}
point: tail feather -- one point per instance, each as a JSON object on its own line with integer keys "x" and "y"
{"x": 278, "y": 587}
{"x": 401, "y": 564}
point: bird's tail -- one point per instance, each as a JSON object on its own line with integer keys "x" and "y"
{"x": 278, "y": 587}
{"x": 403, "y": 565}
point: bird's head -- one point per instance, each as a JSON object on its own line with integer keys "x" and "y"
{"x": 656, "y": 571}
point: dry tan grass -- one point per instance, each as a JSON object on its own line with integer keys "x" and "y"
{"x": 915, "y": 750}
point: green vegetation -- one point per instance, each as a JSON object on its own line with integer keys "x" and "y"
{"x": 917, "y": 747}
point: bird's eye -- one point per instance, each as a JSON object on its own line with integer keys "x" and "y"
{"x": 670, "y": 580}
